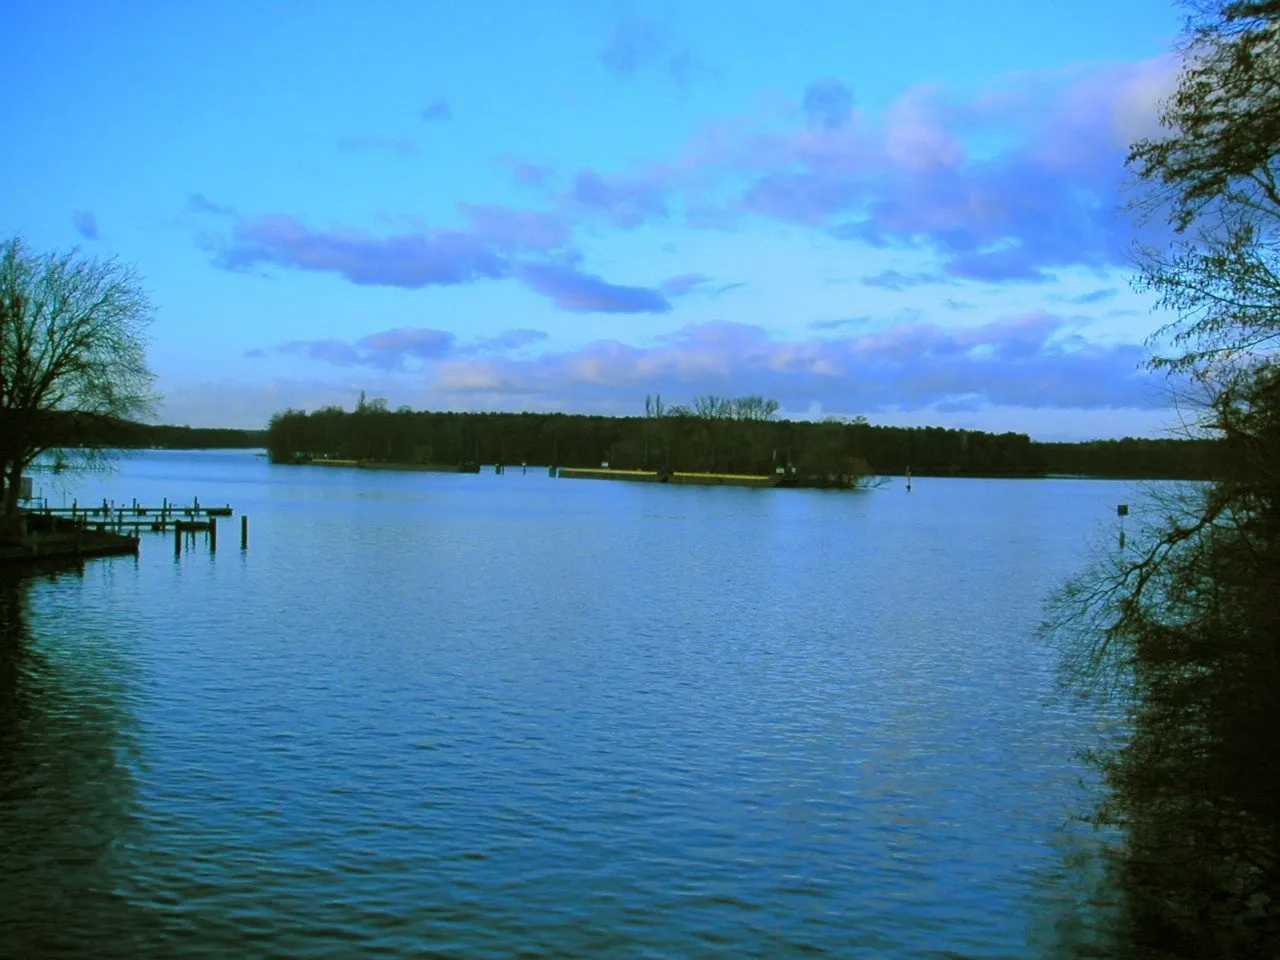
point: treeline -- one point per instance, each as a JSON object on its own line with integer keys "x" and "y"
{"x": 168, "y": 437}
{"x": 76, "y": 430}
{"x": 1130, "y": 458}
{"x": 741, "y": 439}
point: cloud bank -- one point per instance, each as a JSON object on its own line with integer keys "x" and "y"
{"x": 489, "y": 249}
{"x": 1033, "y": 361}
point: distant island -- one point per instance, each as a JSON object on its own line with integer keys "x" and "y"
{"x": 833, "y": 448}
{"x": 713, "y": 435}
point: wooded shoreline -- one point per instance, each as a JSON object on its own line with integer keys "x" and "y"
{"x": 720, "y": 446}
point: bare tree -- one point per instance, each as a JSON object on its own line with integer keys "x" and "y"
{"x": 653, "y": 406}
{"x": 72, "y": 356}
{"x": 754, "y": 407}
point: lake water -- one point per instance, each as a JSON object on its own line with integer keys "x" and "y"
{"x": 497, "y": 716}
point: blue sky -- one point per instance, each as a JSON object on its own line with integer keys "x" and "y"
{"x": 910, "y": 212}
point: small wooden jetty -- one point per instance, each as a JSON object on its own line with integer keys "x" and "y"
{"x": 108, "y": 529}
{"x": 57, "y": 539}
{"x": 136, "y": 516}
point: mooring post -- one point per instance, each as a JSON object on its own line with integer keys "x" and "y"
{"x": 164, "y": 510}
{"x": 213, "y": 534}
{"x": 195, "y": 502}
{"x": 244, "y": 532}
{"x": 177, "y": 540}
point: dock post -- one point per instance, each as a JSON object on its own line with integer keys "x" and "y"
{"x": 164, "y": 510}
{"x": 213, "y": 535}
{"x": 244, "y": 532}
{"x": 177, "y": 540}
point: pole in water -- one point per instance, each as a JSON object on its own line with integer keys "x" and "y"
{"x": 908, "y": 479}
{"x": 213, "y": 535}
{"x": 244, "y": 532}
{"x": 177, "y": 540}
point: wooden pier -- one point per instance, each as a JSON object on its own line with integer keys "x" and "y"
{"x": 110, "y": 512}
{"x": 106, "y": 528}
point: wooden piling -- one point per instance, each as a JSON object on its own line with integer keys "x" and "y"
{"x": 213, "y": 535}
{"x": 244, "y": 532}
{"x": 177, "y": 540}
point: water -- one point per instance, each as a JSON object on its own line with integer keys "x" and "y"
{"x": 496, "y": 716}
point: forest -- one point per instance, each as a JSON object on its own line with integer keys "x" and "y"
{"x": 168, "y": 437}
{"x": 714, "y": 435}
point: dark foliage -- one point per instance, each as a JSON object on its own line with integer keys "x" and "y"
{"x": 1183, "y": 630}
{"x": 685, "y": 441}
{"x": 168, "y": 437}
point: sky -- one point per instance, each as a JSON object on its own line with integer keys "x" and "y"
{"x": 909, "y": 212}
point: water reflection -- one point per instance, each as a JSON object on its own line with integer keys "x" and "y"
{"x": 492, "y": 717}
{"x": 66, "y": 784}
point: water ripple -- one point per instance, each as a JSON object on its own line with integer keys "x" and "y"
{"x": 494, "y": 717}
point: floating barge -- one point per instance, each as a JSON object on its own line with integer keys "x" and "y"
{"x": 726, "y": 479}
{"x": 382, "y": 465}
{"x": 700, "y": 479}
{"x": 677, "y": 477}
{"x": 604, "y": 473}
